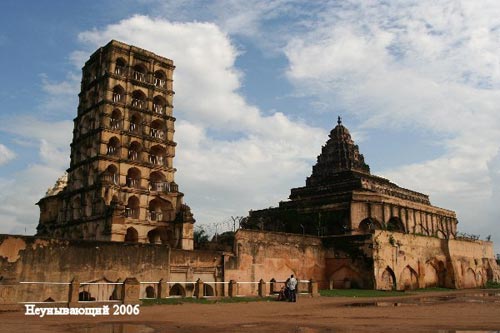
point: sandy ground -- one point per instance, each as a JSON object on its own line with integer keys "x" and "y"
{"x": 443, "y": 312}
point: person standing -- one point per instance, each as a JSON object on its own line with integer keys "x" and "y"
{"x": 292, "y": 285}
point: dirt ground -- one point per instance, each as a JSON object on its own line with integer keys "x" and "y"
{"x": 442, "y": 312}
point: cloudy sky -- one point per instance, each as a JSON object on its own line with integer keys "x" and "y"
{"x": 259, "y": 85}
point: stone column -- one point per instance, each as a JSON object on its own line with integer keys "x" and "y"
{"x": 272, "y": 286}
{"x": 233, "y": 288}
{"x": 74, "y": 288}
{"x": 198, "y": 289}
{"x": 163, "y": 291}
{"x": 131, "y": 291}
{"x": 313, "y": 288}
{"x": 262, "y": 288}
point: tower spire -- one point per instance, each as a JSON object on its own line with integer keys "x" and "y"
{"x": 339, "y": 120}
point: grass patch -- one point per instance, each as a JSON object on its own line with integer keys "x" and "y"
{"x": 492, "y": 285}
{"x": 180, "y": 301}
{"x": 361, "y": 293}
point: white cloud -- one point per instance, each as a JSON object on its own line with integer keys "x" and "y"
{"x": 6, "y": 155}
{"x": 61, "y": 98}
{"x": 425, "y": 66}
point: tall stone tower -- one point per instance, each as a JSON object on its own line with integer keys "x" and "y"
{"x": 120, "y": 183}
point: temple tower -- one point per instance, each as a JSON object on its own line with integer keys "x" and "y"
{"x": 120, "y": 183}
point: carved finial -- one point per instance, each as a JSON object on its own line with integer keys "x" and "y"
{"x": 339, "y": 121}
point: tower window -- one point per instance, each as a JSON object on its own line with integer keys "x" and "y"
{"x": 115, "y": 121}
{"x": 160, "y": 79}
{"x": 134, "y": 178}
{"x": 118, "y": 94}
{"x": 135, "y": 122}
{"x": 159, "y": 105}
{"x": 139, "y": 73}
{"x": 157, "y": 129}
{"x": 120, "y": 66}
{"x": 113, "y": 146}
{"x": 134, "y": 151}
{"x": 138, "y": 99}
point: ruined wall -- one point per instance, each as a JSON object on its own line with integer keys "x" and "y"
{"x": 25, "y": 258}
{"x": 349, "y": 262}
{"x": 405, "y": 261}
{"x": 268, "y": 255}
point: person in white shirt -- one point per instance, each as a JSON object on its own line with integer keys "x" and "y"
{"x": 292, "y": 285}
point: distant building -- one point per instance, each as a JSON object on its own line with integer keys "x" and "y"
{"x": 120, "y": 184}
{"x": 342, "y": 197}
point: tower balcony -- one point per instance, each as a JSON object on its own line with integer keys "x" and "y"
{"x": 139, "y": 103}
{"x": 160, "y": 109}
{"x": 160, "y": 83}
{"x": 157, "y": 160}
{"x": 156, "y": 133}
{"x": 120, "y": 70}
{"x": 159, "y": 186}
{"x": 139, "y": 76}
{"x": 131, "y": 212}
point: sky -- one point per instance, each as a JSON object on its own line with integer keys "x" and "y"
{"x": 258, "y": 86}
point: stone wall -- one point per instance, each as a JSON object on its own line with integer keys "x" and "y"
{"x": 36, "y": 259}
{"x": 405, "y": 261}
{"x": 267, "y": 255}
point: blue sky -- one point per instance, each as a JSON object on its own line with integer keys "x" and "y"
{"x": 259, "y": 84}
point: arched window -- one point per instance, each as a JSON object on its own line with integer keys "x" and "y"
{"x": 113, "y": 146}
{"x": 395, "y": 224}
{"x": 157, "y": 155}
{"x": 154, "y": 237}
{"x": 139, "y": 73}
{"x": 132, "y": 208}
{"x": 118, "y": 94}
{"x": 160, "y": 78}
{"x": 160, "y": 210}
{"x": 138, "y": 99}
{"x": 157, "y": 129}
{"x": 135, "y": 123}
{"x": 134, "y": 152}
{"x": 111, "y": 174}
{"x": 157, "y": 182}
{"x": 134, "y": 178}
{"x": 159, "y": 105}
{"x": 120, "y": 66}
{"x": 369, "y": 224}
{"x": 115, "y": 122}
{"x": 131, "y": 236}
{"x": 150, "y": 292}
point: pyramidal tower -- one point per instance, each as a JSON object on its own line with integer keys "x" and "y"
{"x": 120, "y": 184}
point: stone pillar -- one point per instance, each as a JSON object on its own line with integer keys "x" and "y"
{"x": 272, "y": 286}
{"x": 198, "y": 289}
{"x": 233, "y": 288}
{"x": 131, "y": 291}
{"x": 313, "y": 288}
{"x": 74, "y": 288}
{"x": 163, "y": 290}
{"x": 262, "y": 288}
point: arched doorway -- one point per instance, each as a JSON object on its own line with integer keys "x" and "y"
{"x": 408, "y": 278}
{"x": 131, "y": 236}
{"x": 388, "y": 280}
{"x": 177, "y": 290}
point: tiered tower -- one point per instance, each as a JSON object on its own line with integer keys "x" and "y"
{"x": 342, "y": 197}
{"x": 120, "y": 183}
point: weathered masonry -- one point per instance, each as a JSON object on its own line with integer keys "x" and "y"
{"x": 342, "y": 197}
{"x": 120, "y": 184}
